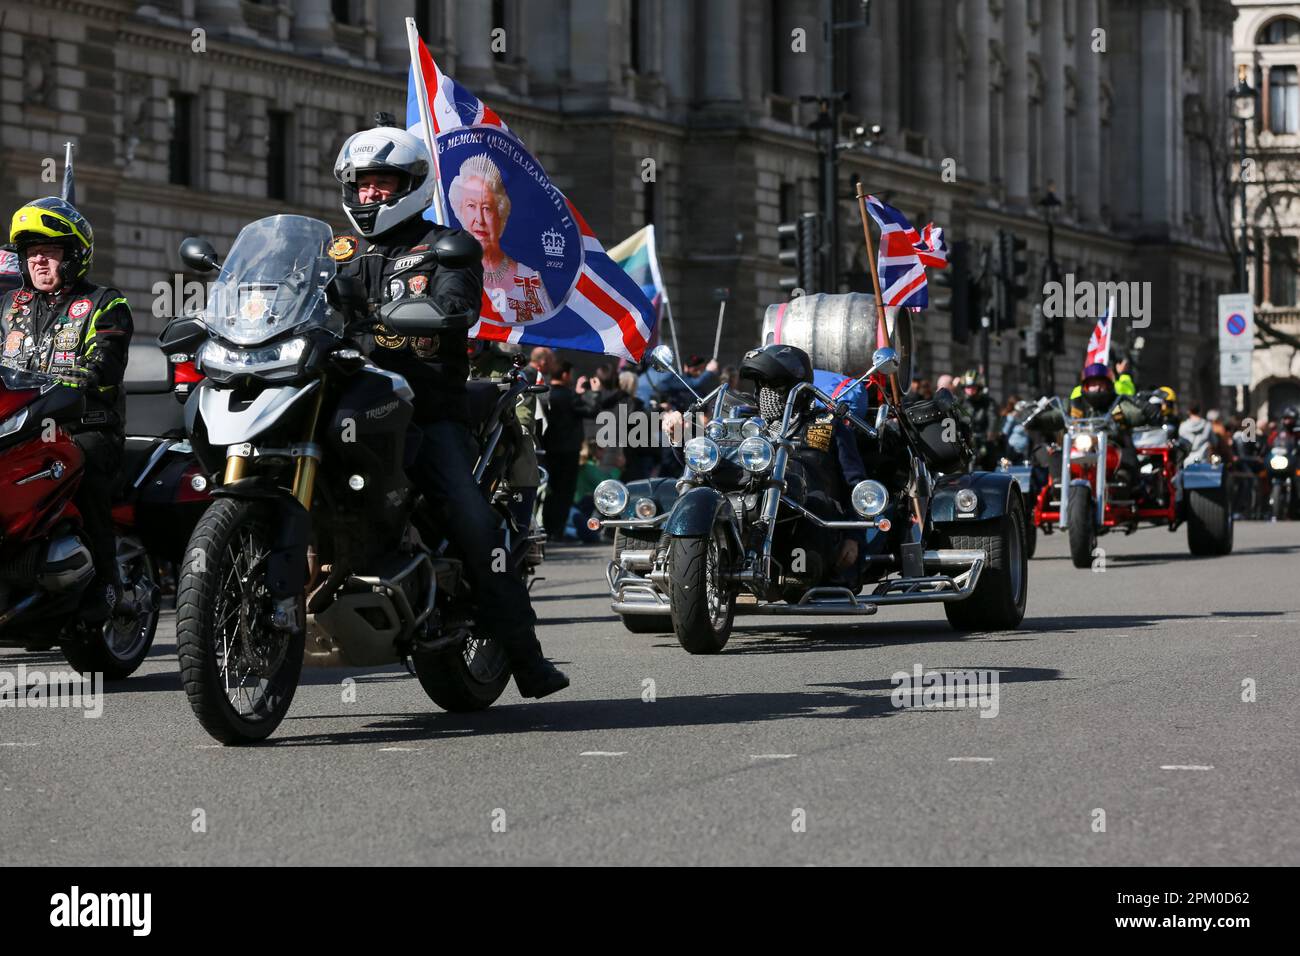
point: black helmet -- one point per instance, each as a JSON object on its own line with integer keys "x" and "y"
{"x": 776, "y": 369}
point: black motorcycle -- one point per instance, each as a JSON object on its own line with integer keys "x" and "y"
{"x": 316, "y": 542}
{"x": 749, "y": 518}
{"x": 1283, "y": 471}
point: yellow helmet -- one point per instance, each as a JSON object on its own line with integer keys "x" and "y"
{"x": 54, "y": 220}
{"x": 1170, "y": 404}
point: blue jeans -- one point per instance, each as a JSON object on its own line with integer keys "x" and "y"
{"x": 444, "y": 472}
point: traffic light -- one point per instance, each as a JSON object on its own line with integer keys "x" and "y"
{"x": 810, "y": 230}
{"x": 957, "y": 279}
{"x": 1012, "y": 265}
{"x": 799, "y": 242}
{"x": 788, "y": 235}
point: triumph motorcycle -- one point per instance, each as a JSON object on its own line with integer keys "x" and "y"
{"x": 316, "y": 540}
{"x": 741, "y": 530}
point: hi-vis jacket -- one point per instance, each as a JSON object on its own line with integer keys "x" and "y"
{"x": 85, "y": 325}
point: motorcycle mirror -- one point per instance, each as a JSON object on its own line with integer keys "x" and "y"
{"x": 884, "y": 360}
{"x": 199, "y": 255}
{"x": 458, "y": 250}
{"x": 661, "y": 357}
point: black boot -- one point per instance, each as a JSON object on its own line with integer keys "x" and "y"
{"x": 540, "y": 679}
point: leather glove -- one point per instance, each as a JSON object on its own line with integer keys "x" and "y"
{"x": 78, "y": 376}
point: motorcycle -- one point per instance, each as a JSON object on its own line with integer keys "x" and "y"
{"x": 1283, "y": 470}
{"x": 1093, "y": 493}
{"x": 1043, "y": 422}
{"x": 45, "y": 558}
{"x": 315, "y": 531}
{"x": 743, "y": 520}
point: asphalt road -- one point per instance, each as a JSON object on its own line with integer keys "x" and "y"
{"x": 785, "y": 749}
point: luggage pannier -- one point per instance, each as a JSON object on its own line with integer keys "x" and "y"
{"x": 931, "y": 420}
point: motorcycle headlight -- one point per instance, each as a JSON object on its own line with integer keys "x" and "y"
{"x": 869, "y": 498}
{"x": 753, "y": 428}
{"x": 610, "y": 497}
{"x": 644, "y": 508}
{"x": 1084, "y": 443}
{"x": 716, "y": 430}
{"x": 701, "y": 455}
{"x": 966, "y": 500}
{"x": 13, "y": 423}
{"x": 755, "y": 455}
{"x": 1279, "y": 463}
{"x": 273, "y": 361}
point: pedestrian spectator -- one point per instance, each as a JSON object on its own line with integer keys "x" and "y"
{"x": 595, "y": 465}
{"x": 563, "y": 441}
{"x": 943, "y": 382}
{"x": 1015, "y": 438}
{"x": 1196, "y": 429}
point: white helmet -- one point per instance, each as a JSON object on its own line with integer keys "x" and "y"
{"x": 386, "y": 149}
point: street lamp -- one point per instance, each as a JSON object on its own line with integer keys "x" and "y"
{"x": 1050, "y": 203}
{"x": 1242, "y": 98}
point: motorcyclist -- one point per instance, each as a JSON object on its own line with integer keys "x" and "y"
{"x": 983, "y": 418}
{"x": 61, "y": 323}
{"x": 388, "y": 182}
{"x": 1288, "y": 427}
{"x": 1095, "y": 396}
{"x": 825, "y": 447}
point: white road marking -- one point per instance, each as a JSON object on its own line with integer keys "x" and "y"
{"x": 1185, "y": 766}
{"x": 603, "y": 753}
{"x": 16, "y": 743}
{"x": 771, "y": 756}
{"x": 400, "y": 750}
{"x": 970, "y": 759}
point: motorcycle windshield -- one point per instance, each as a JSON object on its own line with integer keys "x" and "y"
{"x": 17, "y": 380}
{"x": 273, "y": 281}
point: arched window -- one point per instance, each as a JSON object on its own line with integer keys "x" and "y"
{"x": 1281, "y": 30}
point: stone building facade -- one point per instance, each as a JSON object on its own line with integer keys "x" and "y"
{"x": 194, "y": 116}
{"x": 1266, "y": 41}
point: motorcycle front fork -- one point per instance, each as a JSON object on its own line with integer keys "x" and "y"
{"x": 306, "y": 457}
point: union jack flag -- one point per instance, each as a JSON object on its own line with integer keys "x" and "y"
{"x": 903, "y": 255}
{"x": 604, "y": 310}
{"x": 1099, "y": 342}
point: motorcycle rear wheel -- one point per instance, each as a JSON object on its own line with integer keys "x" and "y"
{"x": 465, "y": 678}
{"x": 117, "y": 648}
{"x": 223, "y": 630}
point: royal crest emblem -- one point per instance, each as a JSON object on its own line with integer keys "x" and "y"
{"x": 342, "y": 248}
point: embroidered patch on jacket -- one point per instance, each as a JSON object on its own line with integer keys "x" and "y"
{"x": 342, "y": 248}
{"x": 385, "y": 339}
{"x": 13, "y": 343}
{"x": 426, "y": 347}
{"x": 22, "y": 295}
{"x": 79, "y": 309}
{"x": 396, "y": 289}
{"x": 417, "y": 284}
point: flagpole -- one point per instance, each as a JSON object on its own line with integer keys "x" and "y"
{"x": 717, "y": 336}
{"x": 426, "y": 120}
{"x": 875, "y": 284}
{"x": 672, "y": 328}
{"x": 68, "y": 193}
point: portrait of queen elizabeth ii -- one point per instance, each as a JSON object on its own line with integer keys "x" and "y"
{"x": 478, "y": 198}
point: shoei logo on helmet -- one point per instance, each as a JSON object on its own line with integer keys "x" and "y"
{"x": 364, "y": 148}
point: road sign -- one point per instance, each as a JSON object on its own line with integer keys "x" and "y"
{"x": 1236, "y": 338}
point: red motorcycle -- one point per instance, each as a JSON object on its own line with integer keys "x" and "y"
{"x": 45, "y": 560}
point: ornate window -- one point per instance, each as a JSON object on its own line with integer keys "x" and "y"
{"x": 1281, "y": 30}
{"x": 1283, "y": 99}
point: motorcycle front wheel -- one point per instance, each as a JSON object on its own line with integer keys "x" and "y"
{"x": 239, "y": 672}
{"x": 702, "y": 606}
{"x": 465, "y": 678}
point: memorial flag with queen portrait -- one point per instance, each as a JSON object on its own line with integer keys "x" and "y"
{"x": 547, "y": 280}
